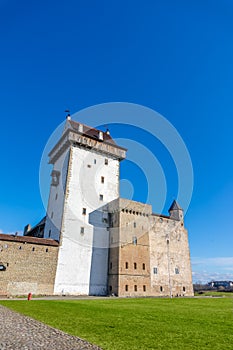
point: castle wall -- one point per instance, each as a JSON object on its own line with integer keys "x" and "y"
{"x": 30, "y": 265}
{"x": 149, "y": 254}
{"x": 56, "y": 197}
{"x": 92, "y": 181}
{"x": 129, "y": 273}
{"x": 169, "y": 258}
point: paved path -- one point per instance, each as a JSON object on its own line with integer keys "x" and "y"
{"x": 18, "y": 332}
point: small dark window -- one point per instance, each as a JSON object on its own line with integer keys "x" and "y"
{"x": 126, "y": 265}
{"x": 82, "y": 230}
{"x": 89, "y": 165}
{"x": 84, "y": 211}
{"x": 161, "y": 289}
{"x": 55, "y": 177}
{"x": 155, "y": 270}
{"x": 56, "y": 196}
{"x": 49, "y": 233}
{"x": 135, "y": 266}
{"x": 102, "y": 179}
{"x": 134, "y": 225}
{"x": 144, "y": 288}
{"x": 94, "y": 161}
{"x": 101, "y": 197}
{"x": 167, "y": 241}
{"x": 20, "y": 247}
{"x": 46, "y": 250}
{"x": 143, "y": 266}
{"x": 52, "y": 215}
{"x": 110, "y": 288}
{"x": 110, "y": 265}
{"x": 126, "y": 288}
{"x": 135, "y": 288}
{"x": 33, "y": 249}
{"x": 135, "y": 240}
{"x": 183, "y": 289}
{"x": 106, "y": 161}
{"x": 177, "y": 271}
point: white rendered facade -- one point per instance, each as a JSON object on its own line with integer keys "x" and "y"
{"x": 85, "y": 178}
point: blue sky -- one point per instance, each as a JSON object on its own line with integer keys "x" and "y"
{"x": 173, "y": 57}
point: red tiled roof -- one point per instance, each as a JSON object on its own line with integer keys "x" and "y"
{"x": 92, "y": 132}
{"x": 28, "y": 239}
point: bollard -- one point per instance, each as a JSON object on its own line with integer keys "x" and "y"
{"x": 29, "y": 296}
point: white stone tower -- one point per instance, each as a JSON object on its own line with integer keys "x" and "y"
{"x": 85, "y": 178}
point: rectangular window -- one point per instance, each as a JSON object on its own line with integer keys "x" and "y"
{"x": 110, "y": 265}
{"x": 49, "y": 233}
{"x": 177, "y": 271}
{"x": 155, "y": 270}
{"x": 94, "y": 161}
{"x": 134, "y": 240}
{"x": 143, "y": 266}
{"x": 134, "y": 225}
{"x": 84, "y": 211}
{"x": 144, "y": 288}
{"x": 101, "y": 197}
{"x": 135, "y": 266}
{"x": 106, "y": 161}
{"x": 126, "y": 265}
{"x": 102, "y": 179}
{"x": 126, "y": 288}
{"x": 135, "y": 288}
{"x": 161, "y": 289}
{"x": 82, "y": 230}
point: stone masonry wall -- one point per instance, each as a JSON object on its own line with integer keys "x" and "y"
{"x": 30, "y": 265}
{"x": 149, "y": 253}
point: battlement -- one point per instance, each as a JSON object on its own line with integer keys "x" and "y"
{"x": 82, "y": 136}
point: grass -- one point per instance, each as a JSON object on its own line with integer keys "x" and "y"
{"x": 128, "y": 324}
{"x": 215, "y": 294}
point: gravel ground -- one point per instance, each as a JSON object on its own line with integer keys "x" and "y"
{"x": 18, "y": 332}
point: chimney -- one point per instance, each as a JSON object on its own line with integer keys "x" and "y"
{"x": 80, "y": 127}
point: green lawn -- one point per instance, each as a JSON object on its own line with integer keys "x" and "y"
{"x": 126, "y": 324}
{"x": 215, "y": 294}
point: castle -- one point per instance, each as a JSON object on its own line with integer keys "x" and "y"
{"x": 92, "y": 242}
